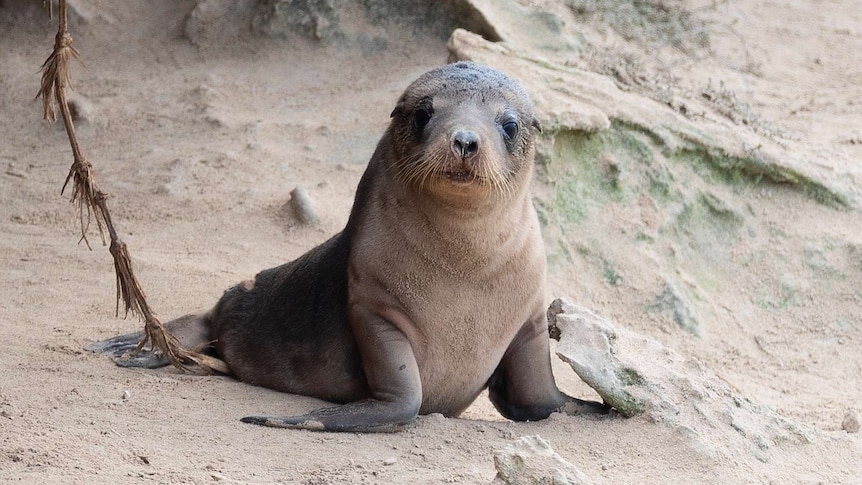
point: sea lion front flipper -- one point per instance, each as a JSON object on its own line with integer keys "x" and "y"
{"x": 365, "y": 416}
{"x": 578, "y": 407}
{"x": 523, "y": 388}
{"x": 393, "y": 380}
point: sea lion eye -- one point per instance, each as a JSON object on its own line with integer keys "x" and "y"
{"x": 510, "y": 128}
{"x": 421, "y": 118}
{"x": 422, "y": 115}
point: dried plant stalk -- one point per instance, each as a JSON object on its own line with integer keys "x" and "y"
{"x": 92, "y": 203}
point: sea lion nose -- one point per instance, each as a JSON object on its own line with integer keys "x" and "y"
{"x": 465, "y": 144}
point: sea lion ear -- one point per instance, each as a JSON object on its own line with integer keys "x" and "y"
{"x": 398, "y": 108}
{"x": 537, "y": 125}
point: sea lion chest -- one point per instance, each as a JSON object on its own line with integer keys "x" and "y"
{"x": 460, "y": 293}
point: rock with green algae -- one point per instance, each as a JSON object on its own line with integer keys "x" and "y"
{"x": 674, "y": 301}
{"x": 639, "y": 376}
{"x": 570, "y": 99}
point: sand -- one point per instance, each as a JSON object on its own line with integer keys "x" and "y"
{"x": 199, "y": 145}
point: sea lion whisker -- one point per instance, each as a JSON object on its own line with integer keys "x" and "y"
{"x": 410, "y": 168}
{"x": 434, "y": 166}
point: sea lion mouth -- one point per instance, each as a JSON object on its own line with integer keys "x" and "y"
{"x": 462, "y": 177}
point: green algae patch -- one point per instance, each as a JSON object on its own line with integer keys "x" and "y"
{"x": 707, "y": 223}
{"x": 748, "y": 172}
{"x": 588, "y": 170}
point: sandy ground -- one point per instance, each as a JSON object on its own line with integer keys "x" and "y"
{"x": 199, "y": 148}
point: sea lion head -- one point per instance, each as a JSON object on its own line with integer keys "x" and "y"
{"x": 463, "y": 133}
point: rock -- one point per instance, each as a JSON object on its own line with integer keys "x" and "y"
{"x": 317, "y": 19}
{"x": 524, "y": 26}
{"x": 531, "y": 461}
{"x": 303, "y": 206}
{"x": 369, "y": 24}
{"x": 639, "y": 376}
{"x": 213, "y": 21}
{"x": 568, "y": 99}
{"x": 850, "y": 423}
{"x": 558, "y": 306}
{"x": 675, "y": 302}
{"x": 586, "y": 345}
{"x": 8, "y": 411}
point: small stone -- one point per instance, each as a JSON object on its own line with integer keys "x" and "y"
{"x": 217, "y": 477}
{"x": 15, "y": 173}
{"x": 675, "y": 301}
{"x": 302, "y": 205}
{"x": 530, "y": 460}
{"x": 81, "y": 109}
{"x": 126, "y": 395}
{"x": 850, "y": 423}
{"x": 390, "y": 461}
{"x": 7, "y": 410}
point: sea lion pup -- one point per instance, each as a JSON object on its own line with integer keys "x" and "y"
{"x": 433, "y": 291}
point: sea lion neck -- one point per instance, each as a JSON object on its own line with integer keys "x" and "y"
{"x": 468, "y": 232}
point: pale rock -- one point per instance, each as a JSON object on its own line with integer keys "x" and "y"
{"x": 531, "y": 461}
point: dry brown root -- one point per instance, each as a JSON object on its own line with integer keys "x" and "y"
{"x": 92, "y": 203}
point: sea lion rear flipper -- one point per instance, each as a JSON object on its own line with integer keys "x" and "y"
{"x": 116, "y": 346}
{"x": 191, "y": 330}
{"x": 122, "y": 350}
{"x": 392, "y": 374}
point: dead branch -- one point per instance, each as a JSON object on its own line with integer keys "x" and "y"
{"x": 92, "y": 203}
